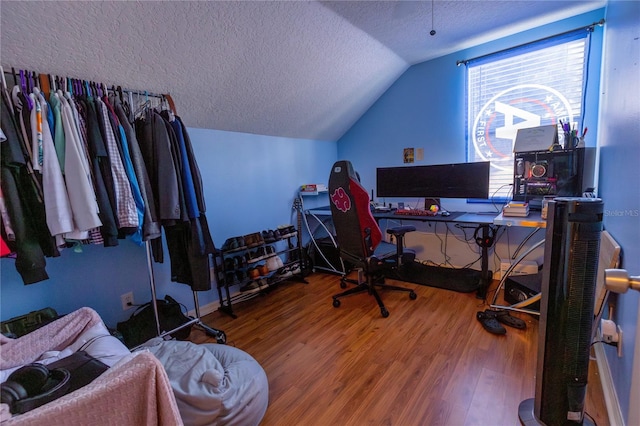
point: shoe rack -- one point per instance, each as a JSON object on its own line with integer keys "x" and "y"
{"x": 252, "y": 264}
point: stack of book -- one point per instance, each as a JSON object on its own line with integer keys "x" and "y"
{"x": 516, "y": 208}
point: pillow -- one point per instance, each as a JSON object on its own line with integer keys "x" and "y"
{"x": 97, "y": 342}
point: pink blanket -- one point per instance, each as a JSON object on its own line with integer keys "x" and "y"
{"x": 135, "y": 391}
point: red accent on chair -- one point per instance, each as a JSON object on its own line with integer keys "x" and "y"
{"x": 358, "y": 235}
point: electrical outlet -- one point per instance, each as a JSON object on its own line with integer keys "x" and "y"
{"x": 611, "y": 334}
{"x": 127, "y": 301}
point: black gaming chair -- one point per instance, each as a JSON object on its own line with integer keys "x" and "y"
{"x": 359, "y": 237}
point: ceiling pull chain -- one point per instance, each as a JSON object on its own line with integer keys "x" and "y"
{"x": 432, "y": 32}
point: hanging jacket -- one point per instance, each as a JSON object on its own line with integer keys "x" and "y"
{"x": 78, "y": 177}
{"x": 56, "y": 201}
{"x": 151, "y": 226}
{"x": 102, "y": 177}
{"x": 125, "y": 157}
{"x": 23, "y": 204}
{"x": 155, "y": 146}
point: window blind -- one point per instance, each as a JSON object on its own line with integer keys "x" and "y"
{"x": 528, "y": 86}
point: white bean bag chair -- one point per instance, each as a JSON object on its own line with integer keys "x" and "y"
{"x": 213, "y": 384}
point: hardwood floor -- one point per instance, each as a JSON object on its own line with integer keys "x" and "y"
{"x": 429, "y": 363}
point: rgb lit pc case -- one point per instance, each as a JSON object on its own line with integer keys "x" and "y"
{"x": 562, "y": 173}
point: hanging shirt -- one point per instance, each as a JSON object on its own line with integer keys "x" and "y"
{"x": 95, "y": 236}
{"x": 58, "y": 133}
{"x": 78, "y": 178}
{"x": 101, "y": 167}
{"x": 56, "y": 201}
{"x": 156, "y": 150}
{"x": 126, "y": 213}
{"x": 187, "y": 179}
{"x": 130, "y": 172}
{"x": 22, "y": 110}
{"x": 150, "y": 226}
{"x": 6, "y": 220}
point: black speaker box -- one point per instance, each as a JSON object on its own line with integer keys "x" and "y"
{"x": 518, "y": 288}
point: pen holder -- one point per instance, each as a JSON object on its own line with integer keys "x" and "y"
{"x": 571, "y": 141}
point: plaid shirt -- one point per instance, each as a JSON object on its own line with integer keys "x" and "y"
{"x": 126, "y": 213}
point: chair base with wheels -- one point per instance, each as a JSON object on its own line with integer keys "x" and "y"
{"x": 360, "y": 239}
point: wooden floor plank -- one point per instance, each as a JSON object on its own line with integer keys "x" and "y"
{"x": 429, "y": 363}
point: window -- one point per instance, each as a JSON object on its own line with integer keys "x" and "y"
{"x": 532, "y": 85}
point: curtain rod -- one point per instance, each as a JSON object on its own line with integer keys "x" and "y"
{"x": 589, "y": 27}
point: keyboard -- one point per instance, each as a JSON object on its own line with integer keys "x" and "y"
{"x": 415, "y": 212}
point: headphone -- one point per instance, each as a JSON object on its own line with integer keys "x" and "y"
{"x": 32, "y": 386}
{"x": 484, "y": 241}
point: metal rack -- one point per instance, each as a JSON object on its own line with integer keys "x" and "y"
{"x": 32, "y": 79}
{"x": 219, "y": 335}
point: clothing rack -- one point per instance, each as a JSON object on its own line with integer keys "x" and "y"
{"x": 33, "y": 80}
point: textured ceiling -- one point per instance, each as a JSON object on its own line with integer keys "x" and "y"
{"x": 283, "y": 68}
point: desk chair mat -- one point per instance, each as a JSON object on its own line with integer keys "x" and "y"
{"x": 461, "y": 280}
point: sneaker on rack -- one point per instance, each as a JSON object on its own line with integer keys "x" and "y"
{"x": 251, "y": 285}
{"x": 263, "y": 270}
{"x": 269, "y": 251}
{"x": 268, "y": 236}
{"x": 253, "y": 240}
{"x": 241, "y": 243}
{"x": 253, "y": 273}
{"x": 230, "y": 244}
{"x": 262, "y": 252}
{"x": 255, "y": 256}
{"x": 284, "y": 272}
{"x": 228, "y": 264}
{"x": 249, "y": 240}
{"x": 239, "y": 261}
{"x": 286, "y": 231}
{"x": 295, "y": 268}
{"x": 272, "y": 263}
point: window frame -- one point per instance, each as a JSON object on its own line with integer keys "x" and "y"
{"x": 502, "y": 170}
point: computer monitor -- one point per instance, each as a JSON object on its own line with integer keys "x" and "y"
{"x": 460, "y": 180}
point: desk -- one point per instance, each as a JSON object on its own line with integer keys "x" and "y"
{"x": 534, "y": 220}
{"x": 482, "y": 220}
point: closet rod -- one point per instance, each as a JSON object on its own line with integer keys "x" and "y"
{"x": 138, "y": 92}
{"x": 12, "y": 73}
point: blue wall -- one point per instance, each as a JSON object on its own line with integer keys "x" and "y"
{"x": 619, "y": 160}
{"x": 250, "y": 182}
{"x": 426, "y": 108}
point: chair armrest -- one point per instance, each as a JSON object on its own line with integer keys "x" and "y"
{"x": 400, "y": 230}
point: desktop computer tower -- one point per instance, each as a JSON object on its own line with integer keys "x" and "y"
{"x": 561, "y": 173}
{"x": 518, "y": 288}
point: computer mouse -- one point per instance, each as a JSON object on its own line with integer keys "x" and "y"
{"x": 445, "y": 213}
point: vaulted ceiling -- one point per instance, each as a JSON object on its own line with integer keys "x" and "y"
{"x": 300, "y": 69}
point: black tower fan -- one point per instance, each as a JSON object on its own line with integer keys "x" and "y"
{"x": 572, "y": 243}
